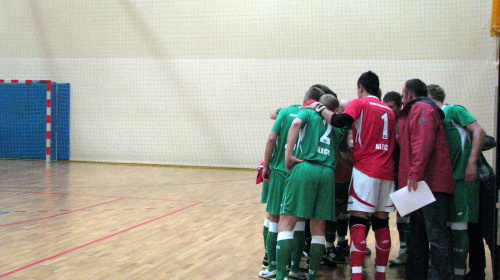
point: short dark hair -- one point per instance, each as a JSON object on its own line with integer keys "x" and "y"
{"x": 393, "y": 96}
{"x": 331, "y": 102}
{"x": 313, "y": 93}
{"x": 370, "y": 82}
{"x": 325, "y": 89}
{"x": 436, "y": 92}
{"x": 416, "y": 86}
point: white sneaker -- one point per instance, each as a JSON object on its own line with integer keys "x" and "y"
{"x": 266, "y": 274}
{"x": 296, "y": 276}
{"x": 400, "y": 260}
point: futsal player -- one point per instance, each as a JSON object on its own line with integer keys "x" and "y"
{"x": 465, "y": 139}
{"x": 373, "y": 124}
{"x": 309, "y": 188}
{"x": 275, "y": 172}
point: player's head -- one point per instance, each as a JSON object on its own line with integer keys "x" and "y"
{"x": 394, "y": 100}
{"x": 325, "y": 89}
{"x": 330, "y": 102}
{"x": 313, "y": 93}
{"x": 412, "y": 89}
{"x": 342, "y": 105}
{"x": 436, "y": 93}
{"x": 368, "y": 82}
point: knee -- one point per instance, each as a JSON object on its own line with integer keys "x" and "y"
{"x": 382, "y": 233}
{"x": 358, "y": 230}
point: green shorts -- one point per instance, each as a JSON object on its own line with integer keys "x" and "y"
{"x": 466, "y": 202}
{"x": 276, "y": 187}
{"x": 264, "y": 193}
{"x": 310, "y": 192}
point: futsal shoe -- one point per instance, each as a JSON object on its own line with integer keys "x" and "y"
{"x": 334, "y": 256}
{"x": 368, "y": 251}
{"x": 296, "y": 276}
{"x": 265, "y": 263}
{"x": 343, "y": 248}
{"x": 401, "y": 259}
{"x": 266, "y": 274}
{"x": 474, "y": 276}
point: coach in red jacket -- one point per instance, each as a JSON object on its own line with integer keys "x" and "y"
{"x": 425, "y": 156}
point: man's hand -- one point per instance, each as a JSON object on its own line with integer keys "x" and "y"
{"x": 412, "y": 185}
{"x": 470, "y": 172}
{"x": 316, "y": 106}
{"x": 266, "y": 173}
{"x": 290, "y": 161}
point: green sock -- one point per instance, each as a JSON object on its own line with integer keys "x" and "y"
{"x": 284, "y": 249}
{"x": 299, "y": 237}
{"x": 460, "y": 250}
{"x": 272, "y": 239}
{"x": 264, "y": 233}
{"x": 316, "y": 255}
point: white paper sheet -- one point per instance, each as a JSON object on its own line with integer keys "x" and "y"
{"x": 407, "y": 202}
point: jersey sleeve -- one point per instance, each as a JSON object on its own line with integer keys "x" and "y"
{"x": 278, "y": 122}
{"x": 353, "y": 109}
{"x": 304, "y": 115}
{"x": 461, "y": 116}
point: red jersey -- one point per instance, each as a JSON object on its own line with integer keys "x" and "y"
{"x": 374, "y": 132}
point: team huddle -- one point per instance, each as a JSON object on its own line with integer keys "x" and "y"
{"x": 330, "y": 166}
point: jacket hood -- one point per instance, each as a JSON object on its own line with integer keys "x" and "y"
{"x": 407, "y": 106}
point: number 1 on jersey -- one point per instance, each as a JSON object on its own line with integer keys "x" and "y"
{"x": 386, "y": 126}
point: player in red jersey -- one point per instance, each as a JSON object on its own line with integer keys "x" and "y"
{"x": 374, "y": 130}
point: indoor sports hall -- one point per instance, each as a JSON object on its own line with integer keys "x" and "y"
{"x": 130, "y": 130}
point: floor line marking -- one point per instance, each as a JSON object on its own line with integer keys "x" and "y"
{"x": 57, "y": 215}
{"x": 91, "y": 195}
{"x": 95, "y": 241}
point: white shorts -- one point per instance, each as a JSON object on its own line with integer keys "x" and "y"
{"x": 367, "y": 194}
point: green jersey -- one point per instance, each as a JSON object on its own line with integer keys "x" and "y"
{"x": 318, "y": 141}
{"x": 458, "y": 138}
{"x": 281, "y": 127}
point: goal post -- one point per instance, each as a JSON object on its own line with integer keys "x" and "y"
{"x": 33, "y": 116}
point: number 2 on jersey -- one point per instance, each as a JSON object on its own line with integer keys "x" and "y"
{"x": 325, "y": 139}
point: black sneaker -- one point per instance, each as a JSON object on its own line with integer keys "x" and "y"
{"x": 327, "y": 263}
{"x": 474, "y": 276}
{"x": 368, "y": 251}
{"x": 324, "y": 262}
{"x": 333, "y": 256}
{"x": 343, "y": 248}
{"x": 264, "y": 262}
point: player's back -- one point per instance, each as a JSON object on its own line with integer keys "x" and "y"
{"x": 318, "y": 141}
{"x": 374, "y": 131}
{"x": 281, "y": 127}
{"x": 458, "y": 137}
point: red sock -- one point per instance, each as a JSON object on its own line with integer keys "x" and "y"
{"x": 383, "y": 247}
{"x": 358, "y": 250}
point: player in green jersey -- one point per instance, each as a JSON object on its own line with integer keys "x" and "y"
{"x": 309, "y": 188}
{"x": 274, "y": 171}
{"x": 465, "y": 140}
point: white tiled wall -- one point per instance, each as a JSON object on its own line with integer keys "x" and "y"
{"x": 193, "y": 82}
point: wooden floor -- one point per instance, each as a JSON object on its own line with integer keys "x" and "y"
{"x": 98, "y": 221}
